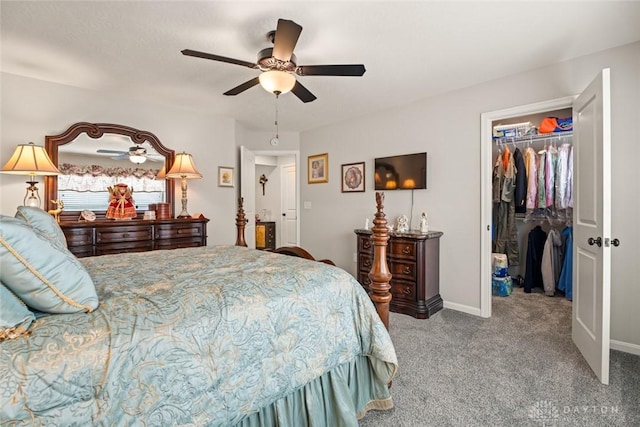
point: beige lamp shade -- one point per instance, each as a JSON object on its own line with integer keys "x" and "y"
{"x": 30, "y": 159}
{"x": 277, "y": 81}
{"x": 183, "y": 167}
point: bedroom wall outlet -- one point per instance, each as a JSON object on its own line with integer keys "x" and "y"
{"x": 355, "y": 257}
{"x": 307, "y": 205}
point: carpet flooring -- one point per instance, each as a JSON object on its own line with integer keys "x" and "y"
{"x": 518, "y": 368}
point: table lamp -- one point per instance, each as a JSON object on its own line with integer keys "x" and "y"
{"x": 184, "y": 169}
{"x": 30, "y": 159}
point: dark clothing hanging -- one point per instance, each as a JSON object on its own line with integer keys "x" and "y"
{"x": 535, "y": 249}
{"x": 565, "y": 283}
{"x": 520, "y": 197}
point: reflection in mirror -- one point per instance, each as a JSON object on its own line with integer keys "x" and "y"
{"x": 90, "y": 166}
{"x": 93, "y": 157}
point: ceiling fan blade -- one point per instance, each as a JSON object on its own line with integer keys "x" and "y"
{"x": 244, "y": 86}
{"x": 204, "y": 55}
{"x": 287, "y": 34}
{"x": 303, "y": 93}
{"x": 331, "y": 70}
{"x": 111, "y": 151}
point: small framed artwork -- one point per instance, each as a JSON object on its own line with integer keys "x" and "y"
{"x": 353, "y": 177}
{"x": 225, "y": 176}
{"x": 318, "y": 168}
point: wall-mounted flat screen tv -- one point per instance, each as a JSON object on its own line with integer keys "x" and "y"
{"x": 404, "y": 172}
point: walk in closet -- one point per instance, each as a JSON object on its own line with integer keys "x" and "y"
{"x": 532, "y": 204}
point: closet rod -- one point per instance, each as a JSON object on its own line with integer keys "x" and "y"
{"x": 533, "y": 138}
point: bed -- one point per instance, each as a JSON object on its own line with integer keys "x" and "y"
{"x": 208, "y": 336}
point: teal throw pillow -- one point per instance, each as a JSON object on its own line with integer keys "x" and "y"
{"x": 45, "y": 276}
{"x": 43, "y": 222}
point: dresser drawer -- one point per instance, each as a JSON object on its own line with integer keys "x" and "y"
{"x": 123, "y": 234}
{"x": 118, "y": 248}
{"x": 364, "y": 280}
{"x": 174, "y": 231}
{"x": 365, "y": 245}
{"x": 403, "y": 269}
{"x": 81, "y": 251}
{"x": 366, "y": 261}
{"x": 79, "y": 237}
{"x": 179, "y": 243}
{"x": 403, "y": 289}
{"x": 402, "y": 248}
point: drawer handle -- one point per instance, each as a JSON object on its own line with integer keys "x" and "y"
{"x": 367, "y": 263}
{"x": 179, "y": 231}
{"x": 367, "y": 281}
{"x": 406, "y": 270}
{"x": 125, "y": 234}
{"x": 366, "y": 244}
{"x": 406, "y": 250}
{"x": 406, "y": 290}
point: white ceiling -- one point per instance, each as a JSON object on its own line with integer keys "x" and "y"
{"x": 411, "y": 50}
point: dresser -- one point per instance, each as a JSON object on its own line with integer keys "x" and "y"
{"x": 414, "y": 264}
{"x": 265, "y": 235}
{"x": 91, "y": 238}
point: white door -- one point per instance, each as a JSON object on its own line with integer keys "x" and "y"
{"x": 289, "y": 222}
{"x": 248, "y": 193}
{"x": 592, "y": 224}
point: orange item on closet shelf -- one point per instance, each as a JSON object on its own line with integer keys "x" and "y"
{"x": 554, "y": 124}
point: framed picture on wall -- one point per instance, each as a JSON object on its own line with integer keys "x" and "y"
{"x": 318, "y": 168}
{"x": 353, "y": 177}
{"x": 225, "y": 176}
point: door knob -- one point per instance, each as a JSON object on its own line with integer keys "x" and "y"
{"x": 615, "y": 242}
{"x": 284, "y": 214}
{"x": 597, "y": 241}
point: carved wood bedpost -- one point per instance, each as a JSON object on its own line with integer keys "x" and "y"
{"x": 241, "y": 221}
{"x": 379, "y": 274}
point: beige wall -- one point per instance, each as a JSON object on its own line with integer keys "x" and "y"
{"x": 448, "y": 128}
{"x": 32, "y": 109}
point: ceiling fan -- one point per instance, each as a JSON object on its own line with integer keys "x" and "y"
{"x": 135, "y": 154}
{"x": 278, "y": 65}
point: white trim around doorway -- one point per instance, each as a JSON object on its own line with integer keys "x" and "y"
{"x": 486, "y": 170}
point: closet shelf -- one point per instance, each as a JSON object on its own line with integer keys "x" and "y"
{"x": 533, "y": 138}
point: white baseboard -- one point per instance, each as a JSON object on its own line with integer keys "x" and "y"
{"x": 625, "y": 346}
{"x": 463, "y": 308}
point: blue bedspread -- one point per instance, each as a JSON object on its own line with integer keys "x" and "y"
{"x": 200, "y": 336}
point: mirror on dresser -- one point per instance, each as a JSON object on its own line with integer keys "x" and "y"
{"x": 95, "y": 156}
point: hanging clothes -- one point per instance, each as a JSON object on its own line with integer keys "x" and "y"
{"x": 521, "y": 182}
{"x": 551, "y": 161}
{"x": 532, "y": 177}
{"x": 552, "y": 261}
{"x": 565, "y": 282}
{"x": 541, "y": 202}
{"x": 563, "y": 189}
{"x": 504, "y": 216}
{"x": 535, "y": 248}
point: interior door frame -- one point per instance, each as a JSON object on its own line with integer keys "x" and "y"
{"x": 486, "y": 171}
{"x": 284, "y": 153}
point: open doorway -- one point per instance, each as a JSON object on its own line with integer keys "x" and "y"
{"x": 524, "y": 222}
{"x": 591, "y": 193}
{"x": 272, "y": 184}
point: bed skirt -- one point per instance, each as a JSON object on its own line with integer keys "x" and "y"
{"x": 340, "y": 397}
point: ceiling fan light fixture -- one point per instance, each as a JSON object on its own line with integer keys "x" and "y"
{"x": 277, "y": 81}
{"x": 134, "y": 158}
